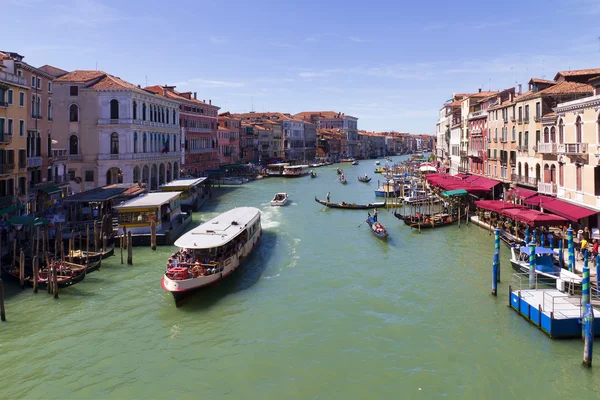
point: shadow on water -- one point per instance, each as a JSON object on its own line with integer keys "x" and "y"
{"x": 247, "y": 275}
{"x": 218, "y": 193}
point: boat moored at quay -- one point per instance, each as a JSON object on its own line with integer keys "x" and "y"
{"x": 295, "y": 171}
{"x": 211, "y": 251}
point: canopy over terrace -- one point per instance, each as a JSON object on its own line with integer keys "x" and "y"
{"x": 520, "y": 194}
{"x": 497, "y": 205}
{"x": 534, "y": 218}
{"x": 472, "y": 184}
{"x": 567, "y": 210}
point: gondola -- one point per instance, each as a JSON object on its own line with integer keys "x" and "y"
{"x": 377, "y": 229}
{"x": 313, "y": 174}
{"x": 348, "y": 206}
{"x": 343, "y": 180}
{"x": 339, "y": 171}
{"x": 68, "y": 274}
{"x": 109, "y": 252}
{"x": 364, "y": 179}
{"x": 92, "y": 260}
{"x": 436, "y": 221}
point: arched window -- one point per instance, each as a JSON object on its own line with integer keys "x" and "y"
{"x": 561, "y": 132}
{"x": 174, "y": 117}
{"x": 73, "y": 113}
{"x": 162, "y": 115}
{"x": 144, "y": 149}
{"x": 135, "y": 144}
{"x": 136, "y": 174}
{"x": 143, "y": 111}
{"x": 114, "y": 143}
{"x": 73, "y": 144}
{"x": 553, "y": 135}
{"x": 49, "y": 146}
{"x": 134, "y": 110}
{"x": 114, "y": 109}
{"x": 151, "y": 112}
{"x": 167, "y": 115}
{"x": 174, "y": 142}
{"x": 49, "y": 109}
{"x": 598, "y": 129}
{"x": 561, "y": 174}
{"x": 578, "y": 135}
{"x": 546, "y": 135}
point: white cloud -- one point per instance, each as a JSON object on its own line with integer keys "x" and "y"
{"x": 311, "y": 74}
{"x": 206, "y": 83}
{"x": 217, "y": 39}
{"x": 358, "y": 39}
{"x": 86, "y": 13}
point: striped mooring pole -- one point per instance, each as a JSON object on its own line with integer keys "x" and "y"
{"x": 527, "y": 235}
{"x": 542, "y": 240}
{"x": 571, "y": 249}
{"x": 588, "y": 334}
{"x": 561, "y": 255}
{"x": 496, "y": 262}
{"x": 532, "y": 265}
{"x": 585, "y": 283}
{"x": 551, "y": 242}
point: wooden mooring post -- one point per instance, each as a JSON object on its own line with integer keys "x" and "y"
{"x": 14, "y": 259}
{"x": 95, "y": 236}
{"x": 153, "y": 235}
{"x": 129, "y": 249}
{"x": 121, "y": 247}
{"x": 22, "y": 269}
{"x": 35, "y": 274}
{"x": 2, "y": 310}
{"x": 55, "y": 281}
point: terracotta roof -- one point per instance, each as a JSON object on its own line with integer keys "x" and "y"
{"x": 49, "y": 69}
{"x": 579, "y": 72}
{"x": 455, "y": 103}
{"x": 112, "y": 82}
{"x": 538, "y": 80}
{"x": 323, "y": 114}
{"x": 81, "y": 76}
{"x": 171, "y": 93}
{"x": 559, "y": 89}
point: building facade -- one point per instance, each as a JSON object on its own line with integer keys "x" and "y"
{"x": 115, "y": 131}
{"x": 335, "y": 120}
{"x": 228, "y": 139}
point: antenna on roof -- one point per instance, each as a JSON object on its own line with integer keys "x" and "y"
{"x": 96, "y": 65}
{"x": 252, "y": 103}
{"x": 146, "y": 80}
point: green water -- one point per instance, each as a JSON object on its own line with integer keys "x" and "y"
{"x": 321, "y": 310}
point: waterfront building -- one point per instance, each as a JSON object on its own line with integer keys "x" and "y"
{"x": 269, "y": 137}
{"x": 500, "y": 159}
{"x": 14, "y": 93}
{"x": 335, "y": 120}
{"x": 115, "y": 131}
{"x": 466, "y": 103}
{"x": 454, "y": 136}
{"x": 228, "y": 138}
{"x": 46, "y": 180}
{"x": 198, "y": 121}
{"x": 371, "y": 144}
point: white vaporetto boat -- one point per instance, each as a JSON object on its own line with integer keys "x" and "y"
{"x": 211, "y": 251}
{"x": 280, "y": 199}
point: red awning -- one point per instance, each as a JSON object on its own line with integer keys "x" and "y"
{"x": 497, "y": 205}
{"x": 484, "y": 182}
{"x": 461, "y": 176}
{"x": 539, "y": 199}
{"x": 570, "y": 211}
{"x": 471, "y": 178}
{"x": 534, "y": 218}
{"x": 520, "y": 193}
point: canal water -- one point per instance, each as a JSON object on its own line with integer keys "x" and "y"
{"x": 321, "y": 310}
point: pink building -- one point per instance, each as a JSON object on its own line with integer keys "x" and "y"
{"x": 198, "y": 121}
{"x": 228, "y": 139}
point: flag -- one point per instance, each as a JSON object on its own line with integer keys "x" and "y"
{"x": 164, "y": 149}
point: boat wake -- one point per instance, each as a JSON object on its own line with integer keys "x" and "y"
{"x": 269, "y": 217}
{"x": 293, "y": 254}
{"x": 175, "y": 331}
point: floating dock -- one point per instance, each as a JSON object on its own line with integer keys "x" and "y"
{"x": 556, "y": 313}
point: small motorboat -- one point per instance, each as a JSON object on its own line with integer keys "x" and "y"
{"x": 377, "y": 229}
{"x": 365, "y": 178}
{"x": 355, "y": 162}
{"x": 313, "y": 174}
{"x": 547, "y": 269}
{"x": 339, "y": 171}
{"x": 343, "y": 180}
{"x": 280, "y": 199}
{"x": 377, "y": 163}
{"x": 379, "y": 170}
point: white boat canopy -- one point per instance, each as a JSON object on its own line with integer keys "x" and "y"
{"x": 219, "y": 230}
{"x": 150, "y": 200}
{"x": 183, "y": 183}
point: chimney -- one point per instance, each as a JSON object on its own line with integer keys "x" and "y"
{"x": 195, "y": 96}
{"x": 479, "y": 90}
{"x": 210, "y": 101}
{"x": 139, "y": 86}
{"x": 520, "y": 88}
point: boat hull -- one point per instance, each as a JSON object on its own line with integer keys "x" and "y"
{"x": 350, "y": 206}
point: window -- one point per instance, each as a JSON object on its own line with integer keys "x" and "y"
{"x": 39, "y": 83}
{"x": 538, "y": 110}
{"x": 520, "y": 139}
{"x": 49, "y": 144}
{"x": 553, "y": 135}
{"x": 49, "y": 109}
{"x": 73, "y": 144}
{"x": 21, "y": 99}
{"x": 134, "y": 110}
{"x": 114, "y": 109}
{"x": 22, "y": 185}
{"x": 496, "y": 135}
{"x": 144, "y": 148}
{"x": 143, "y": 111}
{"x": 135, "y": 142}
{"x": 10, "y": 96}
{"x": 21, "y": 127}
{"x": 2, "y": 127}
{"x": 74, "y": 90}
{"x": 89, "y": 176}
{"x": 598, "y": 129}
{"x": 22, "y": 159}
{"x": 578, "y": 135}
{"x": 10, "y": 127}
{"x": 114, "y": 143}
{"x": 73, "y": 113}
{"x": 33, "y": 81}
{"x": 579, "y": 177}
{"x": 520, "y": 114}
{"x": 527, "y": 112}
{"x": 71, "y": 174}
{"x": 526, "y": 139}
{"x": 49, "y": 87}
{"x": 537, "y": 138}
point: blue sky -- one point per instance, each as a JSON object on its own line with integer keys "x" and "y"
{"x": 390, "y": 63}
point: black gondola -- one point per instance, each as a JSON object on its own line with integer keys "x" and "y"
{"x": 348, "y": 206}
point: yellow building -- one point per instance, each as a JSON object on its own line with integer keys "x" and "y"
{"x": 13, "y": 130}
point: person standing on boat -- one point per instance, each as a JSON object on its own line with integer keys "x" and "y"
{"x": 374, "y": 215}
{"x": 328, "y": 196}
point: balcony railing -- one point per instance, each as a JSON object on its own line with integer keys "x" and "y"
{"x": 59, "y": 154}
{"x": 476, "y": 132}
{"x": 527, "y": 181}
{"x": 131, "y": 121}
{"x": 475, "y": 153}
{"x": 34, "y": 162}
{"x": 526, "y": 120}
{"x": 572, "y": 148}
{"x": 36, "y": 116}
{"x": 136, "y": 156}
{"x": 10, "y": 78}
{"x": 477, "y": 114}
{"x": 3, "y": 104}
{"x": 3, "y": 169}
{"x": 5, "y": 138}
{"x": 199, "y": 130}
{"x": 513, "y": 119}
{"x": 201, "y": 151}
{"x": 547, "y": 188}
{"x": 74, "y": 157}
{"x": 547, "y": 148}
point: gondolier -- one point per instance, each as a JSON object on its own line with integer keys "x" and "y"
{"x": 374, "y": 215}
{"x": 328, "y": 197}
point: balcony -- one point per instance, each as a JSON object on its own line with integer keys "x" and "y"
{"x": 547, "y": 188}
{"x": 537, "y": 118}
{"x": 513, "y": 119}
{"x": 527, "y": 181}
{"x": 201, "y": 151}
{"x": 475, "y": 153}
{"x": 36, "y": 116}
{"x": 33, "y": 162}
{"x": 477, "y": 114}
{"x": 476, "y": 132}
{"x": 520, "y": 121}
{"x": 232, "y": 139}
{"x": 130, "y": 121}
{"x": 199, "y": 130}
{"x": 59, "y": 154}
{"x": 10, "y": 78}
{"x": 10, "y": 166}
{"x": 503, "y": 140}
{"x": 546, "y": 148}
{"x": 5, "y": 138}
{"x": 3, "y": 169}
{"x": 3, "y": 104}
{"x": 572, "y": 148}
{"x": 74, "y": 157}
{"x": 526, "y": 120}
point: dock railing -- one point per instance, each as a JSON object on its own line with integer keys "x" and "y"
{"x": 520, "y": 281}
